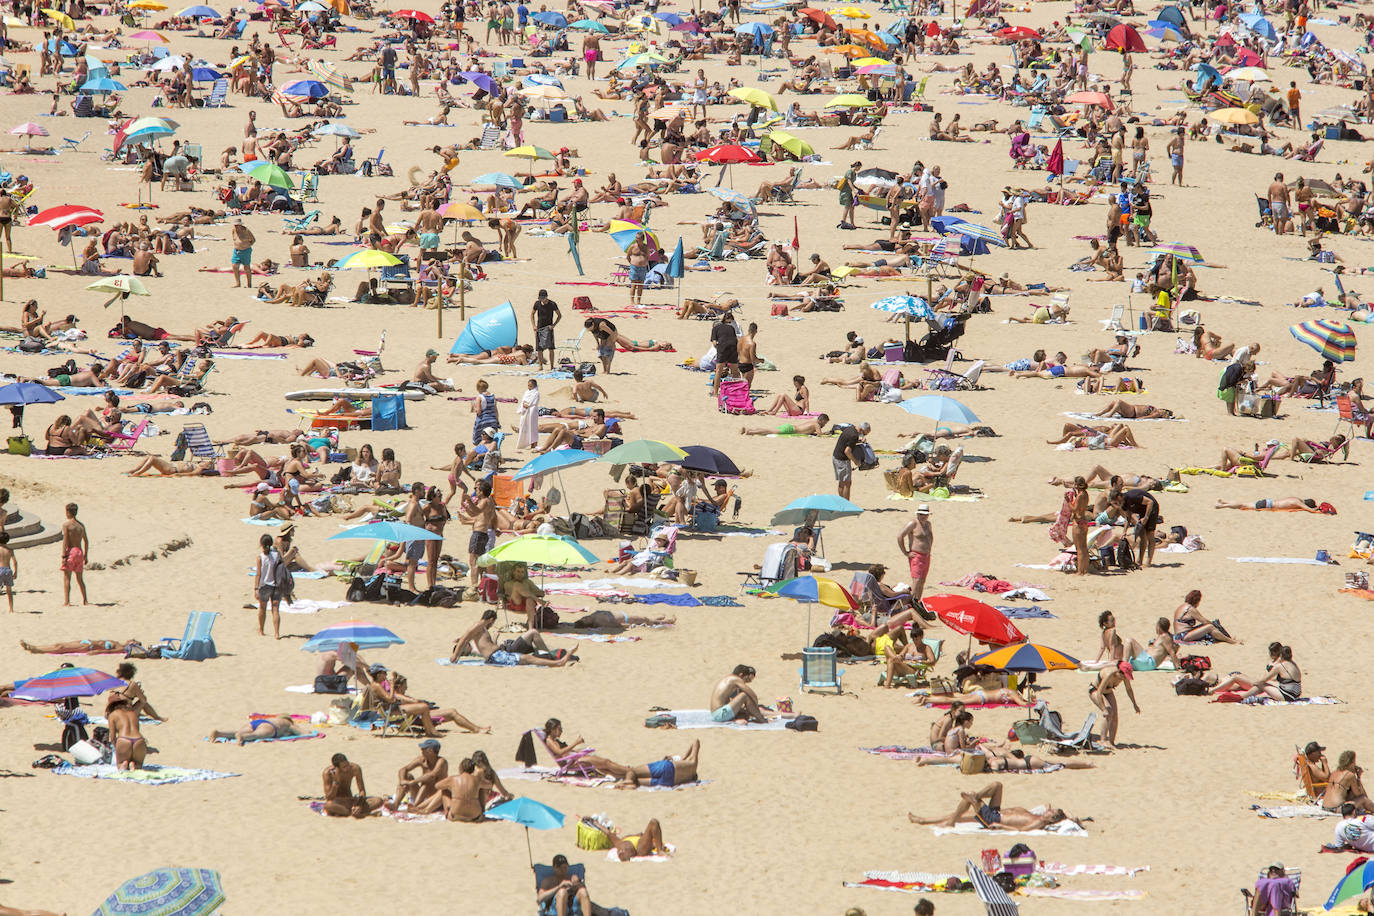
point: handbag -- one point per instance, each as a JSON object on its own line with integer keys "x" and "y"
{"x": 331, "y": 683}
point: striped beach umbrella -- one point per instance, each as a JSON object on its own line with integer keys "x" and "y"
{"x": 66, "y": 682}
{"x": 166, "y": 892}
{"x": 1178, "y": 250}
{"x": 1027, "y": 657}
{"x": 1331, "y": 338}
{"x": 330, "y": 75}
{"x": 366, "y": 635}
{"x": 975, "y": 231}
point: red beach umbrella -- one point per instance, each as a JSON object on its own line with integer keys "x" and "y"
{"x": 728, "y": 154}
{"x": 980, "y": 621}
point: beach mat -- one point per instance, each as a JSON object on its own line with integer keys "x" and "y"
{"x": 150, "y": 775}
{"x": 701, "y": 718}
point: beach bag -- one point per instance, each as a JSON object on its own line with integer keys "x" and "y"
{"x": 868, "y": 459}
{"x": 1195, "y": 664}
{"x": 1190, "y": 687}
{"x": 970, "y": 764}
{"x": 591, "y": 837}
{"x": 661, "y": 720}
{"x": 804, "y": 724}
{"x": 582, "y": 303}
{"x": 67, "y": 368}
{"x": 545, "y": 618}
{"x": 32, "y": 345}
{"x": 331, "y": 683}
{"x": 779, "y": 310}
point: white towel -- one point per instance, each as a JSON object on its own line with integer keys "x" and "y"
{"x": 1288, "y": 561}
{"x": 701, "y": 718}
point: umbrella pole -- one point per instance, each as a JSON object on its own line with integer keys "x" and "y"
{"x": 528, "y": 848}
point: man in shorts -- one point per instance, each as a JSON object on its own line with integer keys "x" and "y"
{"x": 544, "y": 316}
{"x": 1279, "y": 205}
{"x": 604, "y": 333}
{"x": 1142, "y": 508}
{"x": 732, "y": 698}
{"x": 985, "y": 809}
{"x": 916, "y": 541}
{"x": 512, "y": 652}
{"x": 726, "y": 341}
{"x": 242, "y": 258}
{"x": 845, "y": 455}
{"x": 75, "y": 548}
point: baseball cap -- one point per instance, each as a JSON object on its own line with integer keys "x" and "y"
{"x": 923, "y": 509}
{"x": 376, "y": 669}
{"x": 490, "y": 431}
{"x": 1312, "y": 748}
{"x": 431, "y": 353}
{"x": 1125, "y": 668}
{"x": 263, "y": 487}
{"x": 429, "y": 744}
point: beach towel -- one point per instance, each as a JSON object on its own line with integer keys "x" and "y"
{"x": 1035, "y": 611}
{"x": 1093, "y": 418}
{"x": 1059, "y": 868}
{"x": 701, "y": 718}
{"x": 899, "y": 752}
{"x": 599, "y": 637}
{"x": 1286, "y": 561}
{"x": 549, "y": 774}
{"x": 403, "y": 816}
{"x": 607, "y": 585}
{"x": 304, "y": 737}
{"x": 1063, "y": 828}
{"x": 613, "y": 856}
{"x": 150, "y": 775}
{"x": 262, "y": 522}
{"x": 476, "y": 660}
{"x": 674, "y": 600}
{"x": 310, "y": 605}
{"x": 720, "y": 601}
{"x": 1065, "y": 893}
{"x": 936, "y": 497}
{"x": 1234, "y": 698}
{"x": 911, "y": 882}
{"x": 310, "y": 688}
{"x": 1285, "y": 811}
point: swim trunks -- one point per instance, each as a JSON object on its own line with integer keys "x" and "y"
{"x": 988, "y": 815}
{"x": 1057, "y": 371}
{"x": 638, "y": 273}
{"x": 429, "y": 241}
{"x": 919, "y": 564}
{"x": 6, "y": 576}
{"x": 415, "y": 550}
{"x": 605, "y": 350}
{"x": 64, "y": 380}
{"x": 1176, "y": 159}
{"x": 787, "y": 429}
{"x": 843, "y": 469}
{"x": 242, "y": 257}
{"x": 724, "y": 714}
{"x": 543, "y": 337}
{"x": 1264, "y": 504}
{"x": 75, "y": 561}
{"x": 590, "y": 55}
{"x": 662, "y": 773}
{"x": 1278, "y": 209}
{"x": 477, "y": 544}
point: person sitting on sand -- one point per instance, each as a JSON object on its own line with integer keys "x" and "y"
{"x": 424, "y": 373}
{"x": 732, "y": 698}
{"x": 340, "y": 799}
{"x": 954, "y": 742}
{"x": 799, "y": 402}
{"x": 1346, "y": 787}
{"x": 417, "y": 780}
{"x": 984, "y": 808}
{"x": 1190, "y": 626}
{"x": 1282, "y": 504}
{"x": 523, "y": 596}
{"x": 1127, "y": 411}
{"x": 665, "y": 773}
{"x": 512, "y": 652}
{"x": 801, "y": 426}
{"x": 1282, "y": 679}
{"x": 259, "y": 729}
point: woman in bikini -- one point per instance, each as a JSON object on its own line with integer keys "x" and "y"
{"x": 1207, "y": 345}
{"x": 1103, "y": 695}
{"x": 259, "y": 729}
{"x": 956, "y": 742}
{"x": 799, "y": 402}
{"x": 1282, "y": 679}
{"x": 388, "y": 697}
{"x": 569, "y": 757}
{"x": 1190, "y": 626}
{"x": 133, "y": 690}
{"x": 1080, "y": 520}
{"x": 81, "y": 647}
{"x": 265, "y": 339}
{"x": 436, "y": 516}
{"x": 489, "y": 780}
{"x": 941, "y": 726}
{"x": 1127, "y": 411}
{"x": 130, "y": 747}
{"x": 1096, "y": 437}
{"x": 1004, "y": 759}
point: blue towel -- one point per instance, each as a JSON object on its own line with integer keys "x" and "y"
{"x": 720, "y": 601}
{"x": 675, "y": 600}
{"x": 1025, "y": 613}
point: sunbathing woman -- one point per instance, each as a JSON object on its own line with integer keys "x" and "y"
{"x": 1095, "y": 437}
{"x": 388, "y": 695}
{"x": 83, "y": 647}
{"x": 521, "y": 355}
{"x": 1282, "y": 504}
{"x": 1282, "y": 679}
{"x": 1207, "y": 345}
{"x": 977, "y": 696}
{"x": 1005, "y": 759}
{"x": 953, "y": 744}
{"x": 569, "y": 757}
{"x": 259, "y": 729}
{"x": 157, "y": 466}
{"x": 1234, "y": 458}
{"x": 1312, "y": 450}
{"x": 1135, "y": 411}
{"x": 985, "y": 809}
{"x": 265, "y": 339}
{"x": 1055, "y": 372}
{"x": 1099, "y": 478}
{"x": 1190, "y": 626}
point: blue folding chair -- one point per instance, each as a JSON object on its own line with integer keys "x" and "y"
{"x": 196, "y": 644}
{"x": 818, "y": 671}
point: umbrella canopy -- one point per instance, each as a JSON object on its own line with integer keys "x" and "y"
{"x": 818, "y": 16}
{"x": 728, "y": 153}
{"x": 940, "y": 409}
{"x": 643, "y": 451}
{"x": 552, "y": 461}
{"x": 306, "y": 89}
{"x": 367, "y": 258}
{"x": 543, "y": 549}
{"x": 1259, "y": 25}
{"x": 1124, "y": 38}
{"x": 330, "y": 75}
{"x": 819, "y": 506}
{"x": 122, "y": 283}
{"x": 815, "y": 590}
{"x": 336, "y": 130}
{"x": 754, "y": 28}
{"x": 624, "y": 232}
{"x": 851, "y": 12}
{"x": 149, "y": 35}
{"x": 1331, "y": 338}
{"x": 905, "y": 305}
{"x": 166, "y": 892}
{"x": 737, "y": 199}
{"x": 102, "y": 85}
{"x": 850, "y": 50}
{"x": 155, "y": 5}
{"x": 66, "y": 682}
{"x": 20, "y": 393}
{"x": 546, "y": 93}
{"x": 199, "y": 11}
{"x": 1234, "y": 116}
{"x": 1017, "y": 33}
{"x": 366, "y": 635}
{"x": 979, "y": 621}
{"x": 459, "y": 210}
{"x": 589, "y": 25}
{"x": 755, "y": 97}
{"x": 975, "y": 231}
{"x": 707, "y": 460}
{"x": 650, "y": 60}
{"x": 550, "y": 18}
{"x": 269, "y": 173}
{"x": 205, "y": 74}
{"x": 1089, "y": 98}
{"x": 1355, "y": 882}
{"x": 391, "y": 532}
{"x": 416, "y": 15}
{"x": 849, "y": 100}
{"x": 483, "y": 81}
{"x": 1027, "y": 657}
{"x": 529, "y": 152}
{"x": 1249, "y": 75}
{"x": 65, "y": 21}
{"x": 29, "y": 129}
{"x": 1178, "y": 250}
{"x": 66, "y": 215}
{"x": 793, "y": 144}
{"x": 498, "y": 180}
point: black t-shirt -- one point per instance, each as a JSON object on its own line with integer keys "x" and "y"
{"x": 603, "y": 329}
{"x": 1140, "y": 502}
{"x": 1231, "y": 377}
{"x": 389, "y": 58}
{"x": 544, "y": 310}
{"x": 848, "y": 438}
{"x": 723, "y": 336}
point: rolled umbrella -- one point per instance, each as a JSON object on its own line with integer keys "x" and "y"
{"x": 366, "y": 635}
{"x": 67, "y": 682}
{"x": 940, "y": 409}
{"x": 166, "y": 892}
{"x": 817, "y": 507}
{"x": 390, "y": 532}
{"x": 643, "y": 451}
{"x": 543, "y": 550}
{"x": 977, "y": 620}
{"x": 1333, "y": 339}
{"x": 528, "y": 813}
{"x": 708, "y": 460}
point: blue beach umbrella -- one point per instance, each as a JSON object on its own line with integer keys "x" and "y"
{"x": 66, "y": 682}
{"x": 166, "y": 892}
{"x": 912, "y": 306}
{"x": 673, "y": 18}
{"x": 310, "y": 6}
{"x": 754, "y": 28}
{"x": 589, "y": 25}
{"x": 528, "y": 813}
{"x": 20, "y": 393}
{"x": 550, "y": 18}
{"x": 366, "y": 635}
{"x": 737, "y": 199}
{"x": 487, "y": 330}
{"x": 556, "y": 460}
{"x": 310, "y": 89}
{"x": 205, "y": 74}
{"x": 102, "y": 84}
{"x": 975, "y": 231}
{"x": 940, "y": 409}
{"x": 391, "y": 532}
{"x": 818, "y": 507}
{"x": 483, "y": 81}
{"x": 336, "y": 130}
{"x": 199, "y": 11}
{"x": 499, "y": 179}
{"x": 1355, "y": 882}
{"x": 1259, "y": 25}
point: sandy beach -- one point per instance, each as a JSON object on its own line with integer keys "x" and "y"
{"x": 782, "y": 819}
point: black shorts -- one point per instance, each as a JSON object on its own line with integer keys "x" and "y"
{"x": 746, "y": 367}
{"x": 728, "y": 357}
{"x": 1150, "y": 520}
{"x": 477, "y": 544}
{"x": 517, "y": 646}
{"x": 543, "y": 338}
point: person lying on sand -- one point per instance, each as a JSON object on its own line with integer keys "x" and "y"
{"x": 801, "y": 426}
{"x": 732, "y": 698}
{"x": 271, "y": 436}
{"x": 1058, "y": 372}
{"x": 265, "y": 339}
{"x": 984, "y": 808}
{"x": 1003, "y": 758}
{"x": 1099, "y": 478}
{"x": 81, "y": 647}
{"x": 648, "y": 842}
{"x": 1096, "y": 437}
{"x": 977, "y": 696}
{"x": 1282, "y": 504}
{"x": 259, "y": 729}
{"x": 665, "y": 773}
{"x": 1127, "y": 411}
{"x": 340, "y": 799}
{"x": 512, "y": 652}
{"x": 157, "y": 466}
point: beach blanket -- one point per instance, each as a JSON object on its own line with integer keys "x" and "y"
{"x": 1286, "y": 561}
{"x": 1063, "y": 828}
{"x": 674, "y": 600}
{"x": 613, "y": 856}
{"x": 932, "y": 497}
{"x": 262, "y": 522}
{"x": 1234, "y": 698}
{"x": 911, "y": 882}
{"x": 1099, "y": 665}
{"x": 304, "y": 737}
{"x": 549, "y": 774}
{"x": 1035, "y": 611}
{"x": 1285, "y": 811}
{"x": 899, "y": 752}
{"x": 1093, "y": 418}
{"x": 720, "y": 601}
{"x": 403, "y": 816}
{"x": 150, "y": 775}
{"x": 701, "y": 718}
{"x": 246, "y": 354}
{"x": 1066, "y": 893}
{"x": 310, "y": 688}
{"x": 310, "y": 606}
{"x": 474, "y": 660}
{"x": 599, "y": 637}
{"x": 1059, "y": 868}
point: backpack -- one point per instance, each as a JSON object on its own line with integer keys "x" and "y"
{"x": 582, "y": 303}
{"x": 1125, "y": 557}
{"x": 1195, "y": 664}
{"x": 868, "y": 459}
{"x": 545, "y": 618}
{"x": 804, "y": 724}
{"x": 844, "y": 644}
{"x": 67, "y": 368}
{"x": 1190, "y": 687}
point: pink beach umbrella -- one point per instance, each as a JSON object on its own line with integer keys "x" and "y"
{"x": 28, "y": 130}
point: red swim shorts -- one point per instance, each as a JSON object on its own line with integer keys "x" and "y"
{"x": 920, "y": 565}
{"x": 75, "y": 560}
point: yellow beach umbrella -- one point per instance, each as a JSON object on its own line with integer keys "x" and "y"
{"x": 60, "y": 18}
{"x": 756, "y": 97}
{"x": 871, "y": 62}
{"x": 369, "y": 258}
{"x": 1234, "y": 116}
{"x": 460, "y": 210}
{"x": 529, "y": 152}
{"x": 147, "y": 5}
{"x": 849, "y": 100}
{"x": 851, "y": 12}
{"x": 547, "y": 93}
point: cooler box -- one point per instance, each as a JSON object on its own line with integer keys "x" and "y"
{"x": 894, "y": 353}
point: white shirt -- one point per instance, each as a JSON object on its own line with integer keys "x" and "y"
{"x": 1357, "y": 833}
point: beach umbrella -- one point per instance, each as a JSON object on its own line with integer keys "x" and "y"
{"x": 497, "y": 179}
{"x": 878, "y": 70}
{"x": 153, "y": 5}
{"x": 818, "y": 507}
{"x": 1259, "y": 25}
{"x": 1331, "y": 338}
{"x": 1017, "y": 33}
{"x": 940, "y": 409}
{"x": 708, "y": 460}
{"x": 755, "y": 97}
{"x": 66, "y": 682}
{"x": 754, "y": 28}
{"x": 979, "y": 621}
{"x": 487, "y": 330}
{"x": 1357, "y": 880}
{"x": 690, "y": 27}
{"x": 728, "y": 154}
{"x": 1164, "y": 31}
{"x": 809, "y": 590}
{"x": 1249, "y": 75}
{"x": 670, "y": 18}
{"x": 413, "y": 15}
{"x": 1234, "y": 116}
{"x": 308, "y": 89}
{"x": 767, "y": 6}
{"x": 643, "y": 451}
{"x": 366, "y": 635}
{"x": 870, "y": 39}
{"x": 528, "y": 813}
{"x": 553, "y": 463}
{"x": 793, "y": 144}
{"x": 975, "y": 231}
{"x": 542, "y": 550}
{"x": 102, "y": 85}
{"x": 907, "y": 306}
{"x": 851, "y": 12}
{"x": 166, "y": 892}
{"x": 150, "y": 36}
{"x": 12, "y": 22}
{"x": 850, "y": 50}
{"x": 849, "y": 100}
{"x": 529, "y": 152}
{"x": 336, "y": 130}
{"x": 545, "y": 93}
{"x": 648, "y": 59}
{"x": 269, "y": 173}
{"x": 1178, "y": 250}
{"x": 171, "y": 62}
{"x": 66, "y": 215}
{"x": 541, "y": 79}
{"x": 819, "y": 17}
{"x": 388, "y": 532}
{"x": 1027, "y": 657}
{"x": 330, "y": 75}
{"x": 199, "y": 11}
{"x": 672, "y": 110}
{"x": 483, "y": 81}
{"x": 625, "y": 236}
{"x": 589, "y": 25}
{"x": 459, "y": 210}
{"x": 737, "y": 199}
{"x": 550, "y": 18}
{"x": 1124, "y": 38}
{"x": 121, "y": 283}
{"x": 1089, "y": 98}
{"x": 367, "y": 258}
{"x": 205, "y": 74}
{"x": 17, "y": 394}
{"x": 62, "y": 18}
{"x": 28, "y": 130}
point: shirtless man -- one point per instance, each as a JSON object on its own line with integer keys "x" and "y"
{"x": 732, "y": 698}
{"x": 586, "y": 390}
{"x": 7, "y": 210}
{"x": 563, "y": 432}
{"x": 482, "y": 509}
{"x": 418, "y": 779}
{"x": 801, "y": 426}
{"x": 415, "y": 516}
{"x": 1280, "y": 203}
{"x": 130, "y": 747}
{"x": 339, "y": 798}
{"x": 916, "y": 540}
{"x": 459, "y": 796}
{"x": 984, "y": 808}
{"x": 1346, "y": 787}
{"x": 749, "y": 353}
{"x": 424, "y": 373}
{"x": 666, "y": 773}
{"x": 75, "y": 554}
{"x": 510, "y": 653}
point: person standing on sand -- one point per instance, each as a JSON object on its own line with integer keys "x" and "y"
{"x": 1175, "y": 151}
{"x": 243, "y": 252}
{"x": 75, "y": 554}
{"x": 591, "y": 53}
{"x": 9, "y": 567}
{"x": 847, "y": 195}
{"x": 483, "y": 513}
{"x": 268, "y": 584}
{"x": 414, "y": 516}
{"x": 916, "y": 541}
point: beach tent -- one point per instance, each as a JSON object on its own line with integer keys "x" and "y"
{"x": 1174, "y": 16}
{"x": 487, "y": 330}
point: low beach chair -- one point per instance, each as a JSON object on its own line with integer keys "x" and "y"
{"x": 198, "y": 441}
{"x": 1351, "y": 416}
{"x": 996, "y": 902}
{"x": 818, "y": 670}
{"x": 1055, "y": 734}
{"x": 302, "y": 222}
{"x": 125, "y": 442}
{"x": 1313, "y": 789}
{"x": 196, "y": 644}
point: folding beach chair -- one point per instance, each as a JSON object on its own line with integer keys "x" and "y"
{"x": 1350, "y": 415}
{"x": 1311, "y": 788}
{"x": 1054, "y": 729}
{"x": 125, "y": 442}
{"x": 996, "y": 902}
{"x": 219, "y": 94}
{"x": 301, "y": 223}
{"x": 569, "y": 347}
{"x": 69, "y": 144}
{"x": 198, "y": 441}
{"x": 733, "y": 396}
{"x": 818, "y": 670}
{"x": 310, "y": 186}
{"x": 196, "y": 644}
{"x": 779, "y": 563}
